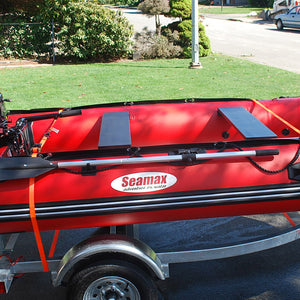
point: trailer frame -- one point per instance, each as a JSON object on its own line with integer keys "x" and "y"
{"x": 126, "y": 247}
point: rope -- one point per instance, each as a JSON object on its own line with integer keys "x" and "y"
{"x": 289, "y": 125}
{"x": 276, "y": 116}
{"x": 272, "y": 171}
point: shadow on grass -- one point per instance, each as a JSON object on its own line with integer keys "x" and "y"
{"x": 151, "y": 67}
{"x": 127, "y": 63}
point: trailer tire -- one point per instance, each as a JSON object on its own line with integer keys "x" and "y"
{"x": 112, "y": 280}
{"x": 279, "y": 25}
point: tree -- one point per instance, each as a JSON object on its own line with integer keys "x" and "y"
{"x": 180, "y": 9}
{"x": 182, "y": 30}
{"x": 155, "y": 8}
{"x": 176, "y": 39}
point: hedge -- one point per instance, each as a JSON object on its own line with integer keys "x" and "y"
{"x": 87, "y": 31}
{"x": 83, "y": 32}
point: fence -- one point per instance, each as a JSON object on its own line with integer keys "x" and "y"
{"x": 27, "y": 40}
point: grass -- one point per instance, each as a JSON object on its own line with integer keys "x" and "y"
{"x": 229, "y": 9}
{"x": 74, "y": 85}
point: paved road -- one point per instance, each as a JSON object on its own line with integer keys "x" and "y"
{"x": 256, "y": 41}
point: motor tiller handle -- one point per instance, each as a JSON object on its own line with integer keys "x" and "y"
{"x": 62, "y": 114}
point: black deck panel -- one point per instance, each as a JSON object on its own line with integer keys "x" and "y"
{"x": 249, "y": 126}
{"x": 115, "y": 130}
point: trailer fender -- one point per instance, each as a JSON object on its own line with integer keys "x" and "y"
{"x": 102, "y": 247}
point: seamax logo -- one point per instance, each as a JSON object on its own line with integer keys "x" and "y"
{"x": 143, "y": 182}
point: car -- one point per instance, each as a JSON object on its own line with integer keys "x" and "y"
{"x": 290, "y": 19}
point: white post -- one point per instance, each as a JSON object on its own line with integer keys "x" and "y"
{"x": 195, "y": 36}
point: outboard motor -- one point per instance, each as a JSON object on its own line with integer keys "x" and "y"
{"x": 3, "y": 116}
{"x": 13, "y": 137}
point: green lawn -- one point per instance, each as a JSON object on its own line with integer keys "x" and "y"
{"x": 229, "y": 9}
{"x": 73, "y": 85}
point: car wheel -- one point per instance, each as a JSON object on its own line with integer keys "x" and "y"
{"x": 279, "y": 25}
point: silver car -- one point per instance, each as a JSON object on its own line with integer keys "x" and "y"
{"x": 290, "y": 19}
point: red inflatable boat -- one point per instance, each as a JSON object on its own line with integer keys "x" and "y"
{"x": 117, "y": 164}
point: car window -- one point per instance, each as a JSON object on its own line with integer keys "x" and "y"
{"x": 293, "y": 10}
{"x": 282, "y": 3}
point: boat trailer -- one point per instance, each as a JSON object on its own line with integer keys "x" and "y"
{"x": 121, "y": 251}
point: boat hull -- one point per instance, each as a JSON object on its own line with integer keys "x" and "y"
{"x": 121, "y": 194}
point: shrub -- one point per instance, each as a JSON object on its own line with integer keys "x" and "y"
{"x": 261, "y": 3}
{"x": 181, "y": 32}
{"x": 130, "y": 3}
{"x": 27, "y": 39}
{"x": 150, "y": 45}
{"x": 133, "y": 3}
{"x": 180, "y": 9}
{"x": 183, "y": 37}
{"x": 30, "y": 6}
{"x": 87, "y": 31}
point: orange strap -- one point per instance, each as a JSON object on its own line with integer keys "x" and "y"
{"x": 34, "y": 222}
{"x": 54, "y": 242}
{"x": 35, "y": 225}
{"x": 46, "y": 135}
{"x": 276, "y": 116}
{"x": 289, "y": 219}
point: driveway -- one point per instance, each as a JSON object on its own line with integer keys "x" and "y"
{"x": 240, "y": 36}
{"x": 141, "y": 21}
{"x": 255, "y": 41}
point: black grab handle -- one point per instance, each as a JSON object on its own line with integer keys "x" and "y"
{"x": 267, "y": 152}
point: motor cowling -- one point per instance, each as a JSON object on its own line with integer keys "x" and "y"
{"x": 3, "y": 116}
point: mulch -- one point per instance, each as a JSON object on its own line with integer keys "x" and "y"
{"x": 15, "y": 63}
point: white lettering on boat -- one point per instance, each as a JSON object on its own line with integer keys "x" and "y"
{"x": 144, "y": 182}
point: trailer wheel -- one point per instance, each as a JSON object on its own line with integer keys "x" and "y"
{"x": 112, "y": 280}
{"x": 279, "y": 25}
